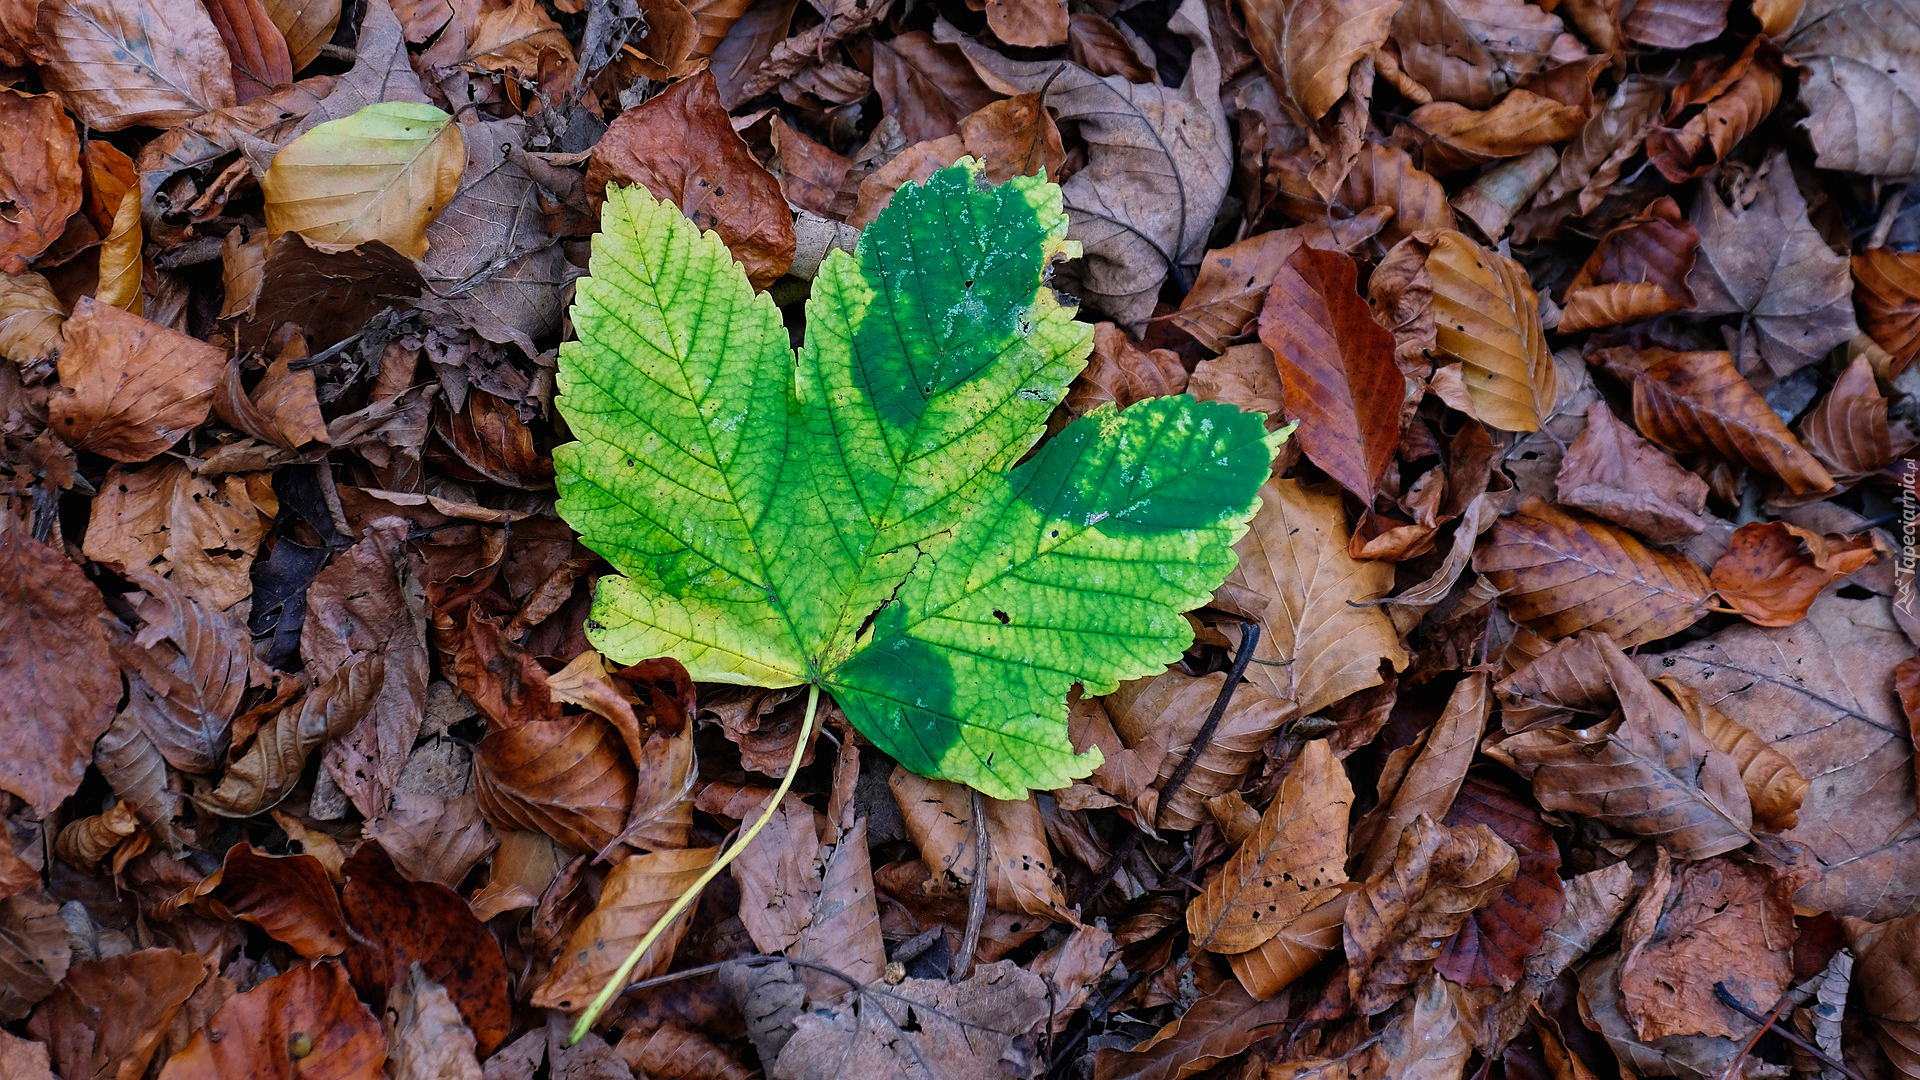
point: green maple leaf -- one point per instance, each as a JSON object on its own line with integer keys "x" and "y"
{"x": 858, "y": 517}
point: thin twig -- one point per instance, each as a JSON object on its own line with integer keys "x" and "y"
{"x": 1726, "y": 998}
{"x": 976, "y": 894}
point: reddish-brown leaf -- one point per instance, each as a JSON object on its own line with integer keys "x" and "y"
{"x": 1214, "y": 1029}
{"x": 1611, "y": 472}
{"x": 107, "y": 1018}
{"x": 127, "y": 63}
{"x": 1887, "y": 978}
{"x": 261, "y": 61}
{"x": 1310, "y": 46}
{"x": 39, "y": 180}
{"x": 133, "y": 387}
{"x": 636, "y": 894}
{"x": 927, "y": 86}
{"x": 1336, "y": 364}
{"x": 1519, "y": 122}
{"x": 1122, "y": 372}
{"x": 1887, "y": 292}
{"x": 305, "y": 1024}
{"x": 1849, "y": 430}
{"x": 1639, "y": 270}
{"x": 1773, "y": 570}
{"x": 1732, "y": 98}
{"x": 1774, "y": 785}
{"x": 62, "y": 681}
{"x": 1705, "y": 925}
{"x": 1493, "y": 946}
{"x": 289, "y": 897}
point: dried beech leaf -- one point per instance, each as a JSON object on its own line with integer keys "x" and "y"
{"x": 1887, "y": 975}
{"x": 1611, "y": 472}
{"x": 672, "y": 1052}
{"x": 1639, "y": 270}
{"x": 128, "y": 63}
{"x": 939, "y": 819}
{"x": 1718, "y": 922}
{"x": 269, "y": 768}
{"x": 1519, "y": 123}
{"x": 1773, "y": 571}
{"x": 1487, "y": 317}
{"x": 1774, "y": 785}
{"x": 108, "y": 1016}
{"x": 1293, "y": 862}
{"x": 1861, "y": 85}
{"x": 427, "y": 1037}
{"x": 134, "y": 386}
{"x": 1698, "y": 402}
{"x": 289, "y": 897}
{"x": 1472, "y": 51}
{"x": 307, "y": 25}
{"x": 253, "y": 1036}
{"x": 1561, "y": 573}
{"x": 40, "y": 181}
{"x": 1734, "y": 98}
{"x": 1122, "y": 372}
{"x": 636, "y": 894}
{"x": 1310, "y": 46}
{"x": 30, "y": 318}
{"x": 1887, "y": 290}
{"x": 1278, "y": 961}
{"x": 1848, "y": 430}
{"x": 1495, "y": 944}
{"x": 922, "y": 1029}
{"x": 1398, "y": 920}
{"x": 1429, "y": 779}
{"x": 34, "y": 953}
{"x": 201, "y": 532}
{"x": 1157, "y": 719}
{"x": 1218, "y": 1027}
{"x": 63, "y": 683}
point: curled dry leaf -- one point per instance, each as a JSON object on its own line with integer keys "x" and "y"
{"x": 305, "y": 1023}
{"x": 1310, "y": 46}
{"x": 261, "y": 60}
{"x": 86, "y": 842}
{"x": 30, "y": 318}
{"x": 1887, "y": 975}
{"x": 425, "y": 1034}
{"x": 34, "y": 954}
{"x": 383, "y": 173}
{"x": 1157, "y": 719}
{"x": 63, "y": 682}
{"x": 1493, "y": 946}
{"x": 1887, "y": 291}
{"x": 681, "y": 146}
{"x": 128, "y": 63}
{"x": 939, "y": 818}
{"x": 1716, "y": 922}
{"x": 133, "y": 387}
{"x": 1473, "y": 51}
{"x": 200, "y": 532}
{"x": 672, "y": 1052}
{"x": 1848, "y": 430}
{"x": 1337, "y": 367}
{"x": 1487, "y": 316}
{"x": 1639, "y": 270}
{"x": 186, "y": 671}
{"x": 1122, "y": 372}
{"x": 1561, "y": 573}
{"x": 1382, "y": 178}
{"x": 108, "y": 1016}
{"x": 1647, "y": 770}
{"x": 1773, "y": 570}
{"x": 1611, "y": 472}
{"x": 289, "y": 897}
{"x": 1733, "y": 98}
{"x": 40, "y": 182}
{"x": 1232, "y": 283}
{"x": 1423, "y": 779}
{"x": 1321, "y": 640}
{"x": 636, "y": 894}
{"x": 1774, "y": 786}
{"x": 267, "y": 769}
{"x": 1294, "y": 861}
{"x": 1519, "y": 123}
{"x": 1590, "y": 163}
{"x": 1698, "y": 402}
{"x": 1861, "y": 84}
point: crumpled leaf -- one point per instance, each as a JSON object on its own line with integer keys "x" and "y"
{"x": 1294, "y": 861}
{"x": 1849, "y": 430}
{"x": 1311, "y": 46}
{"x": 1774, "y": 570}
{"x": 921, "y": 1029}
{"x": 383, "y": 173}
{"x": 1337, "y": 366}
{"x": 128, "y": 63}
{"x": 1887, "y": 974}
{"x": 1774, "y": 786}
{"x": 256, "y": 1035}
{"x": 1216, "y": 1028}
{"x": 1611, "y": 472}
{"x": 1561, "y": 573}
{"x": 1705, "y": 923}
{"x": 186, "y": 671}
{"x": 133, "y": 387}
{"x": 200, "y": 532}
{"x": 63, "y": 682}
{"x": 1639, "y": 270}
{"x": 1424, "y": 778}
{"x": 939, "y": 818}
{"x": 1158, "y": 162}
{"x": 1398, "y": 920}
{"x": 1487, "y": 316}
{"x": 1761, "y": 258}
{"x": 427, "y": 1037}
{"x": 1861, "y": 84}
{"x": 1472, "y": 51}
{"x": 1494, "y": 945}
{"x": 107, "y": 1017}
{"x": 636, "y": 894}
{"x": 289, "y": 897}
{"x": 1733, "y": 98}
{"x": 1321, "y": 641}
{"x": 1157, "y": 719}
{"x": 959, "y": 620}
{"x": 40, "y": 182}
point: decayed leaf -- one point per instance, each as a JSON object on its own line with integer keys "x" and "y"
{"x": 1216, "y": 1028}
{"x": 125, "y": 63}
{"x": 289, "y": 897}
{"x": 843, "y": 929}
{"x": 1698, "y": 402}
{"x": 134, "y": 387}
{"x": 1647, "y": 770}
{"x": 200, "y": 533}
{"x": 1887, "y": 975}
{"x": 682, "y": 147}
{"x": 1861, "y": 84}
{"x": 1158, "y": 162}
{"x": 305, "y": 1024}
{"x": 1158, "y": 717}
{"x": 1849, "y": 430}
{"x": 107, "y": 1018}
{"x": 1472, "y": 51}
{"x": 1495, "y": 944}
{"x": 1424, "y": 779}
{"x": 1487, "y": 316}
{"x": 939, "y": 818}
{"x": 30, "y": 318}
{"x": 40, "y": 181}
{"x": 1774, "y": 786}
{"x": 425, "y": 1034}
{"x": 24, "y": 1058}
{"x": 1294, "y": 861}
{"x": 1887, "y": 290}
{"x": 267, "y": 769}
{"x": 922, "y": 1029}
{"x": 1733, "y": 99}
{"x": 1707, "y": 923}
{"x": 1773, "y": 570}
{"x": 1819, "y": 692}
{"x": 1337, "y": 366}
{"x": 1232, "y": 283}
{"x": 1611, "y": 472}
{"x": 672, "y": 1052}
{"x": 1321, "y": 640}
{"x": 1310, "y": 46}
{"x": 1764, "y": 260}
{"x": 1561, "y": 573}
{"x": 34, "y": 954}
{"x": 636, "y": 894}
{"x": 383, "y": 173}
{"x": 63, "y": 682}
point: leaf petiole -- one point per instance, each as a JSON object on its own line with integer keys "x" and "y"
{"x": 619, "y": 978}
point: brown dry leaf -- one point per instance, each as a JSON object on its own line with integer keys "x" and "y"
{"x": 1761, "y": 258}
{"x": 1337, "y": 367}
{"x": 672, "y": 1052}
{"x": 1157, "y": 719}
{"x": 1519, "y": 123}
{"x": 1244, "y": 376}
{"x": 1382, "y": 178}
{"x": 1734, "y": 98}
{"x": 1232, "y": 283}
{"x": 83, "y": 842}
{"x": 926, "y": 86}
{"x": 106, "y": 1019}
{"x": 1294, "y": 861}
{"x": 128, "y": 63}
{"x": 327, "y": 294}
{"x": 1073, "y": 969}
{"x": 306, "y": 24}
{"x": 1158, "y": 162}
{"x": 1849, "y": 430}
{"x": 289, "y": 897}
{"x": 1611, "y": 472}
{"x": 843, "y": 928}
{"x": 682, "y": 147}
{"x": 636, "y": 894}
{"x": 1494, "y": 946}
{"x": 261, "y": 60}
{"x": 425, "y": 1034}
{"x": 1278, "y": 961}
{"x": 780, "y": 877}
{"x": 1774, "y": 786}
{"x": 1887, "y": 291}
{"x": 1487, "y": 316}
{"x": 265, "y": 771}
{"x": 113, "y": 189}
{"x": 1861, "y": 84}
{"x": 1029, "y": 24}
{"x": 519, "y": 39}
{"x": 1639, "y": 270}
{"x": 1425, "y": 777}
{"x": 1602, "y": 1009}
{"x": 1472, "y": 51}
{"x": 186, "y": 671}
{"x": 567, "y": 777}
{"x": 201, "y": 533}
{"x": 402, "y": 925}
{"x": 34, "y": 953}
{"x": 1561, "y": 573}
{"x": 1014, "y": 136}
{"x": 921, "y": 1029}
{"x": 1122, "y": 372}
{"x": 24, "y": 1059}
{"x": 939, "y": 818}
{"x": 1773, "y": 571}
{"x": 64, "y": 683}
{"x": 1309, "y": 47}
{"x": 1674, "y": 24}
{"x": 133, "y": 387}
{"x": 433, "y": 838}
{"x": 1429, "y": 1038}
{"x": 1707, "y": 923}
{"x": 257, "y": 1035}
{"x": 1590, "y": 163}
{"x": 1219, "y": 1027}
{"x": 1887, "y": 978}
{"x": 1819, "y": 692}
{"x": 40, "y": 181}
{"x": 1646, "y": 770}
{"x": 30, "y": 319}
{"x": 1397, "y": 922}
{"x": 1322, "y": 641}
{"x": 1698, "y": 402}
